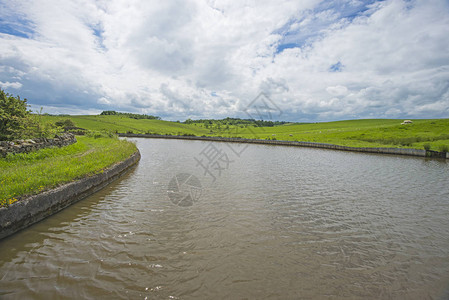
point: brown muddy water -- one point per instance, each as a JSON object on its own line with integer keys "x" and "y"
{"x": 276, "y": 223}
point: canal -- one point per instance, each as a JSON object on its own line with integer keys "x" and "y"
{"x": 203, "y": 220}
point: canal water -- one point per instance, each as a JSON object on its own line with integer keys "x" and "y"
{"x": 208, "y": 220}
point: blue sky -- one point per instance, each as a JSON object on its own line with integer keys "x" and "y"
{"x": 316, "y": 60}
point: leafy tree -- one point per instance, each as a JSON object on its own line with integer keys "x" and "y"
{"x": 17, "y": 122}
{"x": 65, "y": 123}
{"x": 108, "y": 112}
{"x": 14, "y": 117}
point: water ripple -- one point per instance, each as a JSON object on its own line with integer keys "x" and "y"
{"x": 279, "y": 223}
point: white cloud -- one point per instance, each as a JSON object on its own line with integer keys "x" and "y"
{"x": 13, "y": 85}
{"x": 337, "y": 90}
{"x": 196, "y": 58}
{"x": 104, "y": 100}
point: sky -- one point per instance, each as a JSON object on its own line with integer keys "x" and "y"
{"x": 312, "y": 60}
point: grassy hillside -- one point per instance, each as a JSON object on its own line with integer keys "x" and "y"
{"x": 357, "y": 133}
{"x": 364, "y": 133}
{"x": 122, "y": 124}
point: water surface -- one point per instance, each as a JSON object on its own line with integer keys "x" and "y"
{"x": 277, "y": 223}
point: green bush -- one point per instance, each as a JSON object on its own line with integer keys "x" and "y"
{"x": 65, "y": 123}
{"x": 15, "y": 120}
{"x": 426, "y": 147}
{"x": 100, "y": 134}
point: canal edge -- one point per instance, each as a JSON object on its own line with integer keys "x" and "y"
{"x": 35, "y": 208}
{"x": 374, "y": 150}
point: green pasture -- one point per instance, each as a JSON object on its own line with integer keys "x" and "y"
{"x": 433, "y": 133}
{"x": 122, "y": 124}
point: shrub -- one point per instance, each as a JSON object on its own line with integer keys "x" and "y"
{"x": 17, "y": 122}
{"x": 101, "y": 134}
{"x": 65, "y": 123}
{"x": 14, "y": 117}
{"x": 426, "y": 147}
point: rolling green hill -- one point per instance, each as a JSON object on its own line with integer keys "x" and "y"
{"x": 357, "y": 133}
{"x": 122, "y": 124}
{"x": 364, "y": 133}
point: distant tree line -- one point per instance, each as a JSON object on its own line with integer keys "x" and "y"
{"x": 128, "y": 115}
{"x": 237, "y": 121}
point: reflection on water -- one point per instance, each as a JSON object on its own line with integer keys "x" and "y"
{"x": 279, "y": 223}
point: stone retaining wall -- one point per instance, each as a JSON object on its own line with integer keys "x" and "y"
{"x": 395, "y": 151}
{"x": 25, "y": 146}
{"x": 26, "y": 212}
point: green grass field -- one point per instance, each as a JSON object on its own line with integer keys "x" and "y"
{"x": 356, "y": 133}
{"x": 30, "y": 173}
{"x": 364, "y": 133}
{"x": 122, "y": 124}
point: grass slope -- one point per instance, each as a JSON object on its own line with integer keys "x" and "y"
{"x": 30, "y": 173}
{"x": 122, "y": 124}
{"x": 356, "y": 133}
{"x": 363, "y": 133}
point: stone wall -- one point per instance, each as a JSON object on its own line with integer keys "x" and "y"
{"x": 25, "y": 146}
{"x": 395, "y": 151}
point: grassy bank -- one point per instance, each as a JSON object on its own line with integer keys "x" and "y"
{"x": 432, "y": 133}
{"x": 31, "y": 173}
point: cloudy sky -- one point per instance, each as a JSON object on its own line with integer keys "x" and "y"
{"x": 178, "y": 59}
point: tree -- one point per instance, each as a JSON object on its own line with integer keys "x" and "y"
{"x": 65, "y": 123}
{"x": 129, "y": 115}
{"x": 108, "y": 112}
{"x": 14, "y": 117}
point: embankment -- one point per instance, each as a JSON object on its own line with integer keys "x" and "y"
{"x": 394, "y": 151}
{"x": 26, "y": 212}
